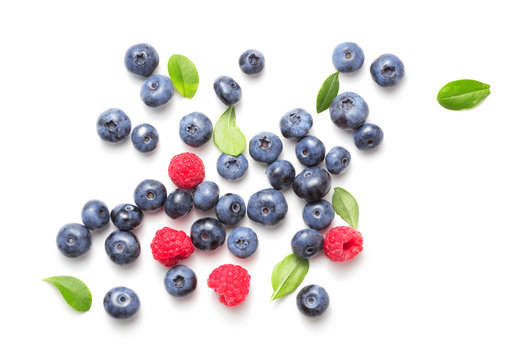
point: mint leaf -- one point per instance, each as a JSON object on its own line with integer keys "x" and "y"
{"x": 74, "y": 291}
{"x": 184, "y": 75}
{"x": 327, "y": 92}
{"x": 346, "y": 206}
{"x": 462, "y": 94}
{"x": 227, "y": 136}
{"x": 288, "y": 274}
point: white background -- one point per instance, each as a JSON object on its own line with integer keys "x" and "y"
{"x": 437, "y": 277}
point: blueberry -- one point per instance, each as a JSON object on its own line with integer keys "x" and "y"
{"x": 74, "y": 240}
{"x": 348, "y": 110}
{"x": 307, "y": 243}
{"x": 228, "y": 90}
{"x": 141, "y": 59}
{"x": 178, "y": 203}
{"x": 150, "y": 195}
{"x": 368, "y": 136}
{"x": 207, "y": 233}
{"x": 122, "y": 247}
{"x": 265, "y": 147}
{"x": 280, "y": 174}
{"x": 387, "y": 70}
{"x": 312, "y": 184}
{"x": 156, "y": 91}
{"x": 113, "y": 125}
{"x": 296, "y": 123}
{"x": 195, "y": 129}
{"x": 144, "y": 137}
{"x": 180, "y": 281}
{"x": 206, "y": 195}
{"x": 126, "y": 216}
{"x": 348, "y": 57}
{"x": 242, "y": 242}
{"x": 267, "y": 207}
{"x": 121, "y": 303}
{"x": 251, "y": 62}
{"x": 230, "y": 209}
{"x": 318, "y": 214}
{"x": 312, "y": 300}
{"x": 337, "y": 160}
{"x": 95, "y": 215}
{"x": 232, "y": 167}
{"x": 310, "y": 151}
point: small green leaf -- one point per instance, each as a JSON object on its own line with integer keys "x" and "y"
{"x": 327, "y": 92}
{"x": 346, "y": 206}
{"x": 288, "y": 274}
{"x": 462, "y": 94}
{"x": 74, "y": 291}
{"x": 227, "y": 136}
{"x": 184, "y": 75}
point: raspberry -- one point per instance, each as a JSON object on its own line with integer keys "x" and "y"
{"x": 342, "y": 243}
{"x": 231, "y": 282}
{"x": 186, "y": 170}
{"x": 169, "y": 246}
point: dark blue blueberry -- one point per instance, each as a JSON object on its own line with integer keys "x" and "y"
{"x": 296, "y": 123}
{"x": 312, "y": 300}
{"x": 122, "y": 247}
{"x": 280, "y": 174}
{"x": 348, "y": 57}
{"x": 348, "y": 110}
{"x": 230, "y": 209}
{"x": 141, "y": 59}
{"x": 121, "y": 303}
{"x": 228, "y": 90}
{"x": 178, "y": 203}
{"x": 318, "y": 214}
{"x": 251, "y": 62}
{"x": 144, "y": 137}
{"x": 310, "y": 150}
{"x": 265, "y": 147}
{"x": 126, "y": 216}
{"x": 232, "y": 167}
{"x": 307, "y": 243}
{"x": 387, "y": 70}
{"x": 195, "y": 129}
{"x": 74, "y": 240}
{"x": 242, "y": 242}
{"x": 150, "y": 195}
{"x": 368, "y": 136}
{"x": 267, "y": 207}
{"x": 180, "y": 281}
{"x": 156, "y": 91}
{"x": 207, "y": 234}
{"x": 337, "y": 160}
{"x": 113, "y": 125}
{"x": 206, "y": 195}
{"x": 312, "y": 183}
{"x": 95, "y": 215}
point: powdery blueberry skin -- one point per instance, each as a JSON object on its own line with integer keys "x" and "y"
{"x": 251, "y": 62}
{"x": 280, "y": 174}
{"x": 180, "y": 281}
{"x": 318, "y": 214}
{"x": 121, "y": 303}
{"x": 178, "y": 203}
{"x": 206, "y": 195}
{"x": 312, "y": 184}
{"x": 296, "y": 123}
{"x": 150, "y": 195}
{"x": 113, "y": 125}
{"x": 310, "y": 151}
{"x": 228, "y": 90}
{"x": 207, "y": 234}
{"x": 348, "y": 110}
{"x": 230, "y": 209}
{"x": 337, "y": 160}
{"x": 368, "y": 137}
{"x": 348, "y": 57}
{"x": 156, "y": 91}
{"x": 122, "y": 247}
{"x": 387, "y": 70}
{"x": 267, "y": 207}
{"x": 195, "y": 129}
{"x": 232, "y": 167}
{"x": 74, "y": 240}
{"x": 265, "y": 147}
{"x": 307, "y": 243}
{"x": 242, "y": 242}
{"x": 141, "y": 59}
{"x": 95, "y": 215}
{"x": 126, "y": 216}
{"x": 312, "y": 300}
{"x": 144, "y": 138}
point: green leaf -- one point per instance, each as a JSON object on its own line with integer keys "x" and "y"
{"x": 227, "y": 136}
{"x": 462, "y": 94}
{"x": 184, "y": 75}
{"x": 327, "y": 92}
{"x": 288, "y": 274}
{"x": 74, "y": 291}
{"x": 346, "y": 206}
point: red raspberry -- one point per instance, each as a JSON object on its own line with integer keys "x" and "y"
{"x": 186, "y": 170}
{"x": 231, "y": 282}
{"x": 342, "y": 243}
{"x": 169, "y": 246}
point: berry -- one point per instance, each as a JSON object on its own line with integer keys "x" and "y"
{"x": 113, "y": 125}
{"x": 312, "y": 300}
{"x": 206, "y": 195}
{"x": 368, "y": 136}
{"x": 265, "y": 147}
{"x": 318, "y": 214}
{"x": 121, "y": 303}
{"x": 307, "y": 243}
{"x": 348, "y": 110}
{"x": 251, "y": 62}
{"x": 387, "y": 70}
{"x": 144, "y": 138}
{"x": 178, "y": 203}
{"x": 141, "y": 59}
{"x": 207, "y": 233}
{"x": 228, "y": 90}
{"x": 180, "y": 281}
{"x": 122, "y": 247}
{"x": 280, "y": 174}
{"x": 95, "y": 215}
{"x": 150, "y": 195}
{"x": 342, "y": 243}
{"x": 242, "y": 242}
{"x": 156, "y": 91}
{"x": 74, "y": 240}
{"x": 310, "y": 151}
{"x": 337, "y": 160}
{"x": 232, "y": 167}
{"x": 296, "y": 123}
{"x": 195, "y": 129}
{"x": 169, "y": 246}
{"x": 348, "y": 57}
{"x": 126, "y": 216}
{"x": 267, "y": 207}
{"x": 231, "y": 282}
{"x": 230, "y": 209}
{"x": 186, "y": 170}
{"x": 312, "y": 183}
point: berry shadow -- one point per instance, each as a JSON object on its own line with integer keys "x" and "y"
{"x": 341, "y": 271}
